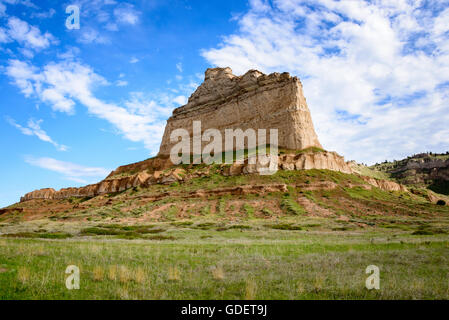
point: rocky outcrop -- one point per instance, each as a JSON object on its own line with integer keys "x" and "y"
{"x": 252, "y": 101}
{"x": 314, "y": 160}
{"x": 150, "y": 165}
{"x": 302, "y": 161}
{"x": 386, "y": 185}
{"x": 47, "y": 193}
{"x": 116, "y": 183}
{"x": 420, "y": 169}
{"x": 109, "y": 185}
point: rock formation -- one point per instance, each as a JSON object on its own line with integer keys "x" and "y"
{"x": 254, "y": 100}
{"x": 385, "y": 184}
{"x": 225, "y": 101}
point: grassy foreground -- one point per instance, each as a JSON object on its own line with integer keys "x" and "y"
{"x": 232, "y": 264}
{"x": 312, "y": 239}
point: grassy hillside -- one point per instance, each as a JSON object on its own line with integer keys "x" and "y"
{"x": 293, "y": 235}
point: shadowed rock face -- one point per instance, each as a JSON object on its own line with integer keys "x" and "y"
{"x": 254, "y": 100}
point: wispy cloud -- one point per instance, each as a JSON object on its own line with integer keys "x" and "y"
{"x": 133, "y": 60}
{"x": 69, "y": 170}
{"x": 121, "y": 83}
{"x": 63, "y": 84}
{"x": 375, "y": 73}
{"x": 126, "y": 14}
{"x": 44, "y": 14}
{"x": 25, "y": 34}
{"x": 179, "y": 66}
{"x": 33, "y": 128}
{"x": 180, "y": 100}
{"x": 91, "y": 35}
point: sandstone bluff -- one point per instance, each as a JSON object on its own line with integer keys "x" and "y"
{"x": 226, "y": 101}
{"x": 254, "y": 100}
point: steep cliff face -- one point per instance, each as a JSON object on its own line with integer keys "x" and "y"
{"x": 252, "y": 101}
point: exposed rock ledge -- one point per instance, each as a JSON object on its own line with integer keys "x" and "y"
{"x": 385, "y": 184}
{"x": 148, "y": 176}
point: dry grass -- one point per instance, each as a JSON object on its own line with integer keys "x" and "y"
{"x": 218, "y": 273}
{"x": 23, "y": 274}
{"x": 123, "y": 293}
{"x": 250, "y": 289}
{"x": 319, "y": 282}
{"x": 139, "y": 275}
{"x": 300, "y": 287}
{"x": 112, "y": 273}
{"x": 174, "y": 274}
{"x": 124, "y": 274}
{"x": 98, "y": 273}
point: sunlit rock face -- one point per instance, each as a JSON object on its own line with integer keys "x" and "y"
{"x": 251, "y": 101}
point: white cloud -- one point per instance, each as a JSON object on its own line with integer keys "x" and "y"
{"x": 375, "y": 73}
{"x": 24, "y": 75}
{"x": 28, "y": 35}
{"x": 45, "y": 14}
{"x": 69, "y": 170}
{"x": 2, "y": 10}
{"x": 61, "y": 84}
{"x": 126, "y": 14}
{"x": 111, "y": 27}
{"x": 121, "y": 83}
{"x": 69, "y": 54}
{"x": 179, "y": 66}
{"x": 133, "y": 60}
{"x": 182, "y": 100}
{"x": 33, "y": 129}
{"x": 27, "y": 53}
{"x": 4, "y": 36}
{"x": 26, "y": 3}
{"x": 107, "y": 15}
{"x": 90, "y": 35}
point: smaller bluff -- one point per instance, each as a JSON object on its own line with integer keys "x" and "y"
{"x": 251, "y": 101}
{"x": 47, "y": 193}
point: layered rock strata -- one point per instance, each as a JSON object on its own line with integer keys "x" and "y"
{"x": 114, "y": 183}
{"x": 251, "y": 101}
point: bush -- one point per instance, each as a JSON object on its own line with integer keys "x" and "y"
{"x": 45, "y": 235}
{"x": 284, "y": 226}
{"x": 290, "y": 206}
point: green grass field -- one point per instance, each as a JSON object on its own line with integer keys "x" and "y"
{"x": 255, "y": 262}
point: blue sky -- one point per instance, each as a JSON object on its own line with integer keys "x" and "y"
{"x": 78, "y": 103}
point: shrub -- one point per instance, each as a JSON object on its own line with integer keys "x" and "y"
{"x": 284, "y": 226}
{"x": 46, "y": 235}
{"x": 100, "y": 231}
{"x": 292, "y": 207}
